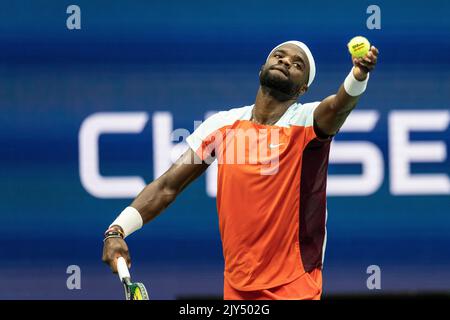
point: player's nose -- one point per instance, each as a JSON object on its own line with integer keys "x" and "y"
{"x": 285, "y": 61}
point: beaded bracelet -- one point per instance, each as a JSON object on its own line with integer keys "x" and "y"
{"x": 112, "y": 236}
{"x": 114, "y": 230}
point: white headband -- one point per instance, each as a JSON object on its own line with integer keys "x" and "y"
{"x": 304, "y": 47}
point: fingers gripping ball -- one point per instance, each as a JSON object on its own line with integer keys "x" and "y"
{"x": 358, "y": 47}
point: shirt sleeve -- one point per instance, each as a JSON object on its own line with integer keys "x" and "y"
{"x": 305, "y": 117}
{"x": 204, "y": 139}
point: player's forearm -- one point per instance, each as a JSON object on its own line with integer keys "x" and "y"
{"x": 153, "y": 199}
{"x": 149, "y": 203}
{"x": 344, "y": 102}
{"x": 338, "y": 113}
{"x": 332, "y": 112}
{"x": 159, "y": 194}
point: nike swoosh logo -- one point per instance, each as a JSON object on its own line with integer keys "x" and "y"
{"x": 272, "y": 146}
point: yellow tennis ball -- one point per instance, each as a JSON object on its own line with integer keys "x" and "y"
{"x": 358, "y": 46}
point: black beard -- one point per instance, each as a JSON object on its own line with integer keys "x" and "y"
{"x": 280, "y": 89}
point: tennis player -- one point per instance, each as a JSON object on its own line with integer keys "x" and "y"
{"x": 272, "y": 172}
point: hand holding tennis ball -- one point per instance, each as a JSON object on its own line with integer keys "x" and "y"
{"x": 364, "y": 56}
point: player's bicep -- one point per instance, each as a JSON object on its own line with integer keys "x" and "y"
{"x": 186, "y": 169}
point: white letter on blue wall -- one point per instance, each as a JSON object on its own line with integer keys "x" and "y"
{"x": 357, "y": 152}
{"x": 90, "y": 131}
{"x": 402, "y": 152}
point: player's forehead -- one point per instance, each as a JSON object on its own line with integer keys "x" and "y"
{"x": 293, "y": 50}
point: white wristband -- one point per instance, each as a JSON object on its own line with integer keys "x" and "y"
{"x": 353, "y": 86}
{"x": 129, "y": 220}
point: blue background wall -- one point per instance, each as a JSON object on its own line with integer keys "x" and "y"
{"x": 188, "y": 58}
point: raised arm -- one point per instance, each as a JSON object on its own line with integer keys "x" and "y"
{"x": 331, "y": 113}
{"x": 150, "y": 202}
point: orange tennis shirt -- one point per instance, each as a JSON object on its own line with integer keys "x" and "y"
{"x": 271, "y": 194}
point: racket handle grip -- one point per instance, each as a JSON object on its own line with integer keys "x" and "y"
{"x": 122, "y": 269}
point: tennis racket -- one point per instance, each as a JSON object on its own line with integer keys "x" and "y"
{"x": 133, "y": 290}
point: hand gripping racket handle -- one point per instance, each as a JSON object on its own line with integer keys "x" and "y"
{"x": 122, "y": 269}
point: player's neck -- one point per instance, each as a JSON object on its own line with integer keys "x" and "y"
{"x": 268, "y": 109}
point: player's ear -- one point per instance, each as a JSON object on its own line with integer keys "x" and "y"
{"x": 260, "y": 70}
{"x": 303, "y": 90}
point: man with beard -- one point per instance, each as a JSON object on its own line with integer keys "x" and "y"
{"x": 271, "y": 192}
